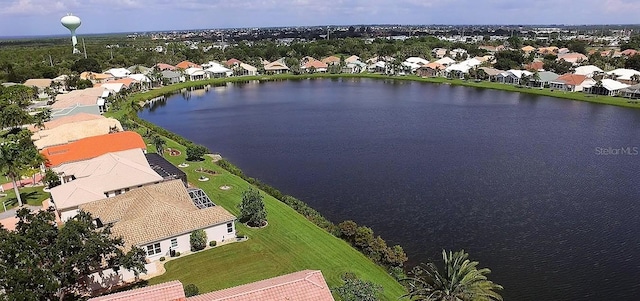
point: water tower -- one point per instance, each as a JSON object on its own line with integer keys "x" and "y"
{"x": 72, "y": 23}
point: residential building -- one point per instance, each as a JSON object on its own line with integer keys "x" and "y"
{"x": 195, "y": 73}
{"x": 95, "y": 77}
{"x": 94, "y": 179}
{"x": 163, "y": 67}
{"x": 572, "y": 57}
{"x": 570, "y": 82}
{"x": 306, "y": 285}
{"x": 165, "y": 169}
{"x": 431, "y": 70}
{"x": 626, "y": 76}
{"x": 446, "y": 61}
{"x": 69, "y": 132}
{"x": 139, "y": 69}
{"x": 534, "y": 66}
{"x": 439, "y": 53}
{"x": 544, "y": 79}
{"x": 632, "y": 92}
{"x": 352, "y": 59}
{"x": 331, "y": 60}
{"x": 312, "y": 66}
{"x": 118, "y": 72}
{"x": 41, "y": 84}
{"x": 159, "y": 218}
{"x": 513, "y": 77}
{"x": 588, "y": 70}
{"x": 276, "y": 67}
{"x": 172, "y": 77}
{"x": 184, "y": 65}
{"x": 354, "y": 67}
{"x": 605, "y": 86}
{"x": 245, "y": 69}
{"x": 65, "y": 120}
{"x": 92, "y": 147}
{"x": 216, "y": 70}
{"x": 90, "y": 101}
{"x": 492, "y": 73}
{"x": 528, "y": 49}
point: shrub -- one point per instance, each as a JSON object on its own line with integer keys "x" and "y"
{"x": 51, "y": 178}
{"x": 252, "y": 208}
{"x": 212, "y": 243}
{"x": 191, "y": 290}
{"x": 198, "y": 240}
{"x": 162, "y": 258}
{"x": 239, "y": 235}
{"x": 177, "y": 254}
{"x": 195, "y": 152}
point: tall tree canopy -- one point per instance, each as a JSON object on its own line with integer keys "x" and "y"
{"x": 460, "y": 280}
{"x": 17, "y": 153}
{"x": 41, "y": 261}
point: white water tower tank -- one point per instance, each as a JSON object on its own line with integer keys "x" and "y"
{"x": 72, "y": 23}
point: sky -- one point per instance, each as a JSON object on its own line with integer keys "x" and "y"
{"x": 42, "y": 17}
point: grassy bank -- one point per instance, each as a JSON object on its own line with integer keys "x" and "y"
{"x": 289, "y": 243}
{"x": 33, "y": 196}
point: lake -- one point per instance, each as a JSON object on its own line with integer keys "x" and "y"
{"x": 543, "y": 191}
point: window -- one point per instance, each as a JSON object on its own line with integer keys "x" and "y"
{"x": 174, "y": 243}
{"x": 229, "y": 227}
{"x": 153, "y": 249}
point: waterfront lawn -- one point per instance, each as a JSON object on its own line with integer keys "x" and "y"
{"x": 289, "y": 243}
{"x": 33, "y": 196}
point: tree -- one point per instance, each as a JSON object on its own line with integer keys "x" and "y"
{"x": 51, "y": 179}
{"x": 355, "y": 289}
{"x": 88, "y": 64}
{"x": 195, "y": 152}
{"x": 198, "y": 240}
{"x": 252, "y": 209}
{"x": 459, "y": 280}
{"x": 348, "y": 230}
{"x": 42, "y": 261}
{"x": 633, "y": 62}
{"x": 14, "y": 159}
{"x": 363, "y": 237}
{"x": 191, "y": 290}
{"x": 159, "y": 143}
{"x": 42, "y": 117}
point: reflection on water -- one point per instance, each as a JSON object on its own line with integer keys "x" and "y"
{"x": 514, "y": 179}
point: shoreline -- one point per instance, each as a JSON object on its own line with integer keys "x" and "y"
{"x": 577, "y": 96}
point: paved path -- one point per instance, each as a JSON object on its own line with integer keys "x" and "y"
{"x": 22, "y": 183}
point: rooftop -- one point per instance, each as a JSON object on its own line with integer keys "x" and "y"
{"x": 155, "y": 212}
{"x": 92, "y": 147}
{"x": 168, "y": 291}
{"x": 69, "y": 132}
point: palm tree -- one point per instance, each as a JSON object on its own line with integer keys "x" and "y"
{"x": 159, "y": 143}
{"x": 459, "y": 281}
{"x": 12, "y": 162}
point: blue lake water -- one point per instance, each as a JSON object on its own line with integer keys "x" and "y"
{"x": 542, "y": 191}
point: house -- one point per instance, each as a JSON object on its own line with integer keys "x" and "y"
{"x": 563, "y": 51}
{"x": 417, "y": 60}
{"x": 113, "y": 88}
{"x": 139, "y": 69}
{"x": 96, "y": 77}
{"x": 65, "y": 120}
{"x": 92, "y": 147}
{"x": 430, "y": 70}
{"x": 446, "y": 61}
{"x": 544, "y": 78}
{"x": 215, "y": 70}
{"x": 352, "y": 59}
{"x": 118, "y": 72}
{"x": 378, "y": 67}
{"x": 168, "y": 291}
{"x": 94, "y": 179}
{"x": 491, "y": 73}
{"x": 194, "y": 73}
{"x": 312, "y": 66}
{"x": 606, "y": 86}
{"x": 69, "y": 132}
{"x": 127, "y": 82}
{"x": 439, "y": 52}
{"x": 245, "y": 69}
{"x": 534, "y": 66}
{"x": 513, "y": 77}
{"x": 629, "y": 52}
{"x": 163, "y": 67}
{"x": 460, "y": 69}
{"x": 165, "y": 169}
{"x": 331, "y": 60}
{"x": 41, "y": 84}
{"x": 184, "y": 65}
{"x": 528, "y": 49}
{"x": 570, "y": 82}
{"x": 306, "y": 285}
{"x": 90, "y": 101}
{"x": 276, "y": 67}
{"x": 626, "y": 76}
{"x": 354, "y": 67}
{"x": 632, "y": 92}
{"x": 588, "y": 71}
{"x": 573, "y": 57}
{"x": 172, "y": 77}
{"x": 232, "y": 62}
{"x": 548, "y": 50}
{"x": 159, "y": 218}
{"x": 458, "y": 53}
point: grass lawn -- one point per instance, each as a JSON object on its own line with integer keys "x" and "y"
{"x": 289, "y": 243}
{"x": 30, "y": 195}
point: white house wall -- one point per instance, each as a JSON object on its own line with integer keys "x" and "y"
{"x": 217, "y": 233}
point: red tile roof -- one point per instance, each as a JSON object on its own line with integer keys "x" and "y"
{"x": 168, "y": 291}
{"x": 163, "y": 67}
{"x": 535, "y": 66}
{"x": 232, "y": 62}
{"x": 305, "y": 285}
{"x": 629, "y": 52}
{"x": 92, "y": 147}
{"x": 126, "y": 81}
{"x": 315, "y": 64}
{"x": 571, "y": 79}
{"x": 187, "y": 65}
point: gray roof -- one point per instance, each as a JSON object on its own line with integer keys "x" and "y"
{"x": 632, "y": 89}
{"x": 170, "y": 74}
{"x": 547, "y": 76}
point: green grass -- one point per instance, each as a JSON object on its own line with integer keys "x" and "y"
{"x": 289, "y": 243}
{"x": 30, "y": 195}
